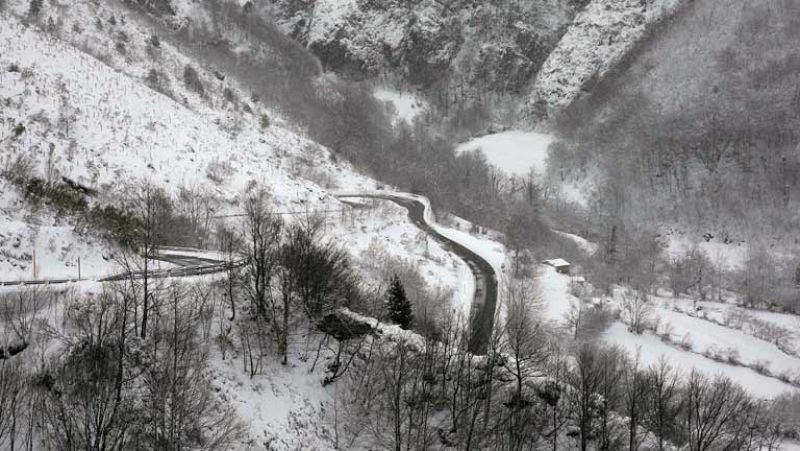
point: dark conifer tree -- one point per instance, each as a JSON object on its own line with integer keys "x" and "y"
{"x": 397, "y": 304}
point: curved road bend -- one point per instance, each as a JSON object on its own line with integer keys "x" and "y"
{"x": 485, "y": 302}
{"x": 186, "y": 266}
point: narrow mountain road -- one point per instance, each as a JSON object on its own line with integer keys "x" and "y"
{"x": 485, "y": 301}
{"x": 188, "y": 262}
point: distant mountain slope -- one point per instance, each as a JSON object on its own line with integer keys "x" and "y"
{"x": 701, "y": 125}
{"x": 597, "y": 40}
{"x": 454, "y": 45}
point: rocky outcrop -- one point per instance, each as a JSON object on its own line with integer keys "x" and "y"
{"x": 599, "y": 38}
{"x": 457, "y": 45}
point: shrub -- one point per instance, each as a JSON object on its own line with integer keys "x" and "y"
{"x": 154, "y": 41}
{"x": 686, "y": 343}
{"x": 229, "y": 96}
{"x": 265, "y": 122}
{"x": 218, "y": 171}
{"x": 762, "y": 367}
{"x": 733, "y": 356}
{"x": 118, "y": 224}
{"x": 192, "y": 81}
{"x": 59, "y": 195}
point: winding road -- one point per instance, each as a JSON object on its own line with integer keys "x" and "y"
{"x": 194, "y": 262}
{"x": 485, "y": 301}
{"x": 186, "y": 265}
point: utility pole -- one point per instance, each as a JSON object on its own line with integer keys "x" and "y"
{"x": 34, "y": 263}
{"x": 79, "y": 268}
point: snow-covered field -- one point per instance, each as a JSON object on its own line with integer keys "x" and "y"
{"x": 693, "y": 342}
{"x": 515, "y": 152}
{"x": 650, "y": 349}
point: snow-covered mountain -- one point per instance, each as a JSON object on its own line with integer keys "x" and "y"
{"x": 92, "y": 101}
{"x": 548, "y": 51}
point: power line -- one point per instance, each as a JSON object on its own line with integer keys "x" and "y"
{"x": 238, "y": 215}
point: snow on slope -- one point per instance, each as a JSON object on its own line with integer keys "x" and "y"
{"x": 56, "y": 245}
{"x": 124, "y": 131}
{"x": 599, "y": 37}
{"x": 406, "y": 105}
{"x": 711, "y": 338}
{"x": 382, "y": 229}
{"x": 515, "y": 152}
{"x": 705, "y": 338}
{"x": 285, "y": 407}
{"x": 555, "y": 294}
{"x": 650, "y": 349}
{"x": 120, "y": 132}
{"x": 717, "y": 344}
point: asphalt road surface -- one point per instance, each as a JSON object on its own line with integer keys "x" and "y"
{"x": 485, "y": 302}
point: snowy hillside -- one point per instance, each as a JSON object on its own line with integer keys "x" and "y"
{"x": 82, "y": 107}
{"x": 598, "y": 39}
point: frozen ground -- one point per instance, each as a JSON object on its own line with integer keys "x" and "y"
{"x": 515, "y": 152}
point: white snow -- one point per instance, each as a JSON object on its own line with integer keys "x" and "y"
{"x": 382, "y": 227}
{"x": 555, "y": 295}
{"x": 328, "y": 16}
{"x": 124, "y": 132}
{"x": 650, "y": 349}
{"x": 583, "y": 243}
{"x": 515, "y": 152}
{"x": 730, "y": 256}
{"x": 406, "y": 105}
{"x": 284, "y": 407}
{"x": 599, "y": 37}
{"x": 51, "y": 242}
{"x": 704, "y": 337}
{"x": 557, "y": 262}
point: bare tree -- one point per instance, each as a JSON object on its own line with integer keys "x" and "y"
{"x": 197, "y": 205}
{"x": 229, "y": 245}
{"x": 80, "y": 403}
{"x": 151, "y": 210}
{"x": 593, "y": 397}
{"x": 525, "y": 341}
{"x": 712, "y": 409}
{"x": 637, "y": 310}
{"x": 635, "y": 399}
{"x": 262, "y": 249}
{"x": 663, "y": 403}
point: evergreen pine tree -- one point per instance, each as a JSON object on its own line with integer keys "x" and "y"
{"x": 398, "y": 305}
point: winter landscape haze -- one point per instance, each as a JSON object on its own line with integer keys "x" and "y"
{"x": 400, "y": 224}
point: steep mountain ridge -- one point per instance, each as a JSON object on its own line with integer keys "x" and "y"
{"x": 488, "y": 46}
